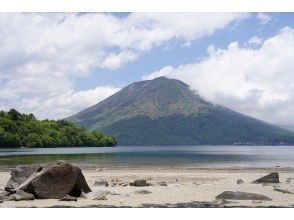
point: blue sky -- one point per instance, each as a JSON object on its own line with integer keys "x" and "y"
{"x": 174, "y": 53}
{"x": 56, "y": 64}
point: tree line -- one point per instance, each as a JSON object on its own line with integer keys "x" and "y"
{"x": 24, "y": 130}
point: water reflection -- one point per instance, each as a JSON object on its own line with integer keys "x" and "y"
{"x": 229, "y": 156}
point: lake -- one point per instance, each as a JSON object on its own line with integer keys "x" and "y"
{"x": 180, "y": 156}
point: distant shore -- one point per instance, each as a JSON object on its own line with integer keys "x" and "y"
{"x": 172, "y": 187}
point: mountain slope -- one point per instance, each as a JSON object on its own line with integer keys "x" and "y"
{"x": 166, "y": 112}
{"x": 152, "y": 98}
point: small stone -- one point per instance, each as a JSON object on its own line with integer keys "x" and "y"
{"x": 101, "y": 183}
{"x": 277, "y": 185}
{"x": 163, "y": 183}
{"x": 21, "y": 196}
{"x": 69, "y": 198}
{"x": 289, "y": 180}
{"x": 140, "y": 183}
{"x": 103, "y": 193}
{"x": 101, "y": 197}
{"x": 240, "y": 181}
{"x": 283, "y": 191}
{"x": 116, "y": 181}
{"x": 142, "y": 192}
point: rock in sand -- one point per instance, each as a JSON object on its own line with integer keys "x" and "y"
{"x": 22, "y": 196}
{"x": 270, "y": 178}
{"x": 101, "y": 197}
{"x": 142, "y": 192}
{"x": 231, "y": 195}
{"x": 163, "y": 183}
{"x": 290, "y": 180}
{"x": 283, "y": 191}
{"x": 18, "y": 196}
{"x": 101, "y": 183}
{"x": 69, "y": 198}
{"x": 52, "y": 181}
{"x": 140, "y": 183}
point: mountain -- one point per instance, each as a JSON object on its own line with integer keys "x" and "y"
{"x": 165, "y": 111}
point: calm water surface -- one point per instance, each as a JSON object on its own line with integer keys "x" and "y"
{"x": 181, "y": 156}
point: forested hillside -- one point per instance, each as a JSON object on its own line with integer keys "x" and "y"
{"x": 22, "y": 130}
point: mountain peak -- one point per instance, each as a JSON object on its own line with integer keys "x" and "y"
{"x": 161, "y": 79}
{"x": 154, "y": 98}
{"x": 164, "y": 111}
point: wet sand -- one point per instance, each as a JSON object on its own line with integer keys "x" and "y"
{"x": 186, "y": 187}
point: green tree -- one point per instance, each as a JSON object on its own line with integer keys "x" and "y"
{"x": 18, "y": 130}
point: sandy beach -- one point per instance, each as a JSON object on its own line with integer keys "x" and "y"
{"x": 172, "y": 187}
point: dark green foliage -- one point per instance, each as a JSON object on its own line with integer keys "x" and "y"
{"x": 21, "y": 130}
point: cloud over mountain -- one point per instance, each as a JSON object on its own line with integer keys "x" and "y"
{"x": 257, "y": 82}
{"x": 41, "y": 55}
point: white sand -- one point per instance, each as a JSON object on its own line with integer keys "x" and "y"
{"x": 197, "y": 185}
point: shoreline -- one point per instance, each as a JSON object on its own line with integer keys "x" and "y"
{"x": 172, "y": 187}
{"x": 242, "y": 169}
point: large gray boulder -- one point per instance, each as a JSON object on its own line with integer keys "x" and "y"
{"x": 231, "y": 195}
{"x": 51, "y": 181}
{"x": 270, "y": 178}
{"x": 56, "y": 180}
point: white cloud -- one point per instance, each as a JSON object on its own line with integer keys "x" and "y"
{"x": 114, "y": 61}
{"x": 263, "y": 17}
{"x": 42, "y": 54}
{"x": 63, "y": 104}
{"x": 256, "y": 82}
{"x": 255, "y": 40}
{"x": 162, "y": 72}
